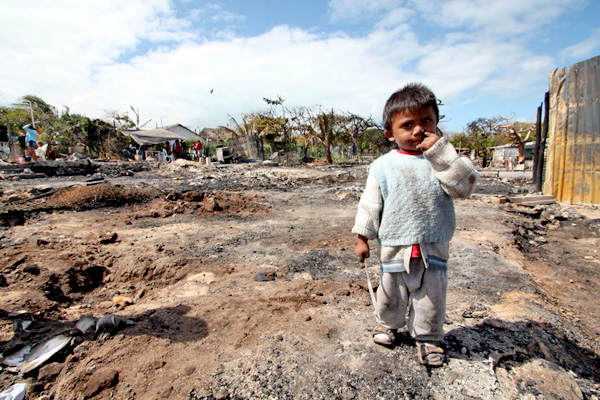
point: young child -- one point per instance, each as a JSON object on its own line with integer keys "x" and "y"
{"x": 407, "y": 206}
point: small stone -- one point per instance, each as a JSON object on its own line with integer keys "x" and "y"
{"x": 100, "y": 381}
{"x": 222, "y": 394}
{"x": 189, "y": 370}
{"x": 107, "y": 237}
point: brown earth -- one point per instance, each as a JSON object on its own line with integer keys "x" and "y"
{"x": 240, "y": 282}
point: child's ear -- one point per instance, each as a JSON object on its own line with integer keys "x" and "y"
{"x": 389, "y": 135}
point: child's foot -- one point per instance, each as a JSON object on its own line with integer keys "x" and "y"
{"x": 430, "y": 354}
{"x": 383, "y": 336}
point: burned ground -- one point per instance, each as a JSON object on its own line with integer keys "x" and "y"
{"x": 240, "y": 282}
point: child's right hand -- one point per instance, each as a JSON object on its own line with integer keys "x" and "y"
{"x": 362, "y": 249}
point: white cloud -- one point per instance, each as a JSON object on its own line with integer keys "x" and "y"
{"x": 585, "y": 48}
{"x": 62, "y": 43}
{"x": 398, "y": 17}
{"x": 301, "y": 67}
{"x": 505, "y": 18}
{"x": 215, "y": 13}
{"x": 357, "y": 9}
{"x": 108, "y": 55}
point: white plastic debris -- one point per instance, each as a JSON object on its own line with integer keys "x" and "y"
{"x": 86, "y": 323}
{"x": 14, "y": 359}
{"x": 43, "y": 352}
{"x": 16, "y": 392}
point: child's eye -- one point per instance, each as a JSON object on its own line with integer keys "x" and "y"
{"x": 427, "y": 120}
{"x": 407, "y": 125}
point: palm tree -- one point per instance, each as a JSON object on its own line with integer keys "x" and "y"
{"x": 252, "y": 124}
{"x": 39, "y": 109}
{"x": 327, "y": 134}
{"x": 247, "y": 127}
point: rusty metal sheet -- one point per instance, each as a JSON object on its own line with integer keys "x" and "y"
{"x": 573, "y": 158}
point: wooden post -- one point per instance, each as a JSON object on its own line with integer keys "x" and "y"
{"x": 31, "y": 112}
{"x": 544, "y": 137}
{"x": 537, "y": 172}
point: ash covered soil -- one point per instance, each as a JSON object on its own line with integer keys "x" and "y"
{"x": 240, "y": 282}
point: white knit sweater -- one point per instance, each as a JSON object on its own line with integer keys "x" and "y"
{"x": 407, "y": 199}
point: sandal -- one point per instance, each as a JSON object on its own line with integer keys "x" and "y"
{"x": 430, "y": 354}
{"x": 383, "y": 336}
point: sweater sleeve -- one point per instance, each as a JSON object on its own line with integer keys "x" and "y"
{"x": 369, "y": 210}
{"x": 456, "y": 174}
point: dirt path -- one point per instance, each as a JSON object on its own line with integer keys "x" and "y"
{"x": 247, "y": 287}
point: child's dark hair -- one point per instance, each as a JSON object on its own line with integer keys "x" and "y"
{"x": 414, "y": 97}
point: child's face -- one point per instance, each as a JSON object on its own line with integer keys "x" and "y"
{"x": 408, "y": 127}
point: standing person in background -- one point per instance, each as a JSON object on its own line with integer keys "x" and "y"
{"x": 31, "y": 141}
{"x": 132, "y": 152}
{"x": 141, "y": 153}
{"x": 198, "y": 149}
{"x": 168, "y": 148}
{"x": 177, "y": 149}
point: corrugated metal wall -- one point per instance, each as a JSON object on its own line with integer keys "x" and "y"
{"x": 573, "y": 158}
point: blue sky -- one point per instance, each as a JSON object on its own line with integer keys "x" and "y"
{"x": 483, "y": 58}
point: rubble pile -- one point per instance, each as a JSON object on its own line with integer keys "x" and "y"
{"x": 64, "y": 168}
{"x": 532, "y": 224}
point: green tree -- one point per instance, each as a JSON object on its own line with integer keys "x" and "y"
{"x": 373, "y": 141}
{"x": 248, "y": 126}
{"x": 484, "y": 133}
{"x": 278, "y": 123}
{"x": 65, "y": 128}
{"x": 331, "y": 131}
{"x": 39, "y": 110}
{"x": 16, "y": 117}
{"x": 251, "y": 124}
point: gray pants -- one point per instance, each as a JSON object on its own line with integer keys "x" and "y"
{"x": 425, "y": 288}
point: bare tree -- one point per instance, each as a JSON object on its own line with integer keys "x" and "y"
{"x": 516, "y": 132}
{"x": 122, "y": 120}
{"x": 357, "y": 125}
{"x": 138, "y": 126}
{"x": 303, "y": 127}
